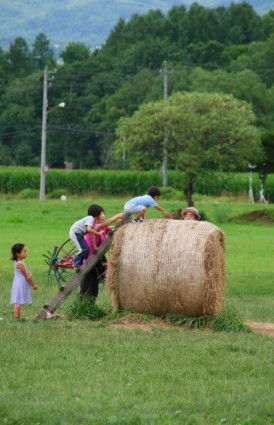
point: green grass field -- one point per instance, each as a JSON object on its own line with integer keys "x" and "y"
{"x": 66, "y": 372}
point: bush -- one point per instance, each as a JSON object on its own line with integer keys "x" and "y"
{"x": 170, "y": 193}
{"x": 29, "y": 194}
{"x": 56, "y": 194}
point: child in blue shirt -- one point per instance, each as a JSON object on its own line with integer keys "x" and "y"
{"x": 139, "y": 205}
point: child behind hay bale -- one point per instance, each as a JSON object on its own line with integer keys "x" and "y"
{"x": 191, "y": 213}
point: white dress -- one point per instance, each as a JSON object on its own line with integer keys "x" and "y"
{"x": 21, "y": 290}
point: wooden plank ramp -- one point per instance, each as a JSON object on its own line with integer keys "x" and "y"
{"x": 64, "y": 291}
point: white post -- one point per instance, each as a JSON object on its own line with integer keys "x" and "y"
{"x": 250, "y": 192}
{"x": 250, "y": 197}
{"x": 261, "y": 193}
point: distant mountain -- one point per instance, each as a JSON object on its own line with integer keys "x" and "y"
{"x": 87, "y": 21}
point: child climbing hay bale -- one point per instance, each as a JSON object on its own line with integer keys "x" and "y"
{"x": 168, "y": 266}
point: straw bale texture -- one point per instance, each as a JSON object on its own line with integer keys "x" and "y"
{"x": 167, "y": 266}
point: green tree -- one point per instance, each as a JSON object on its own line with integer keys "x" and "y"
{"x": 5, "y": 155}
{"x": 175, "y": 27}
{"x": 75, "y": 52}
{"x": 268, "y": 23}
{"x": 244, "y": 85}
{"x": 243, "y": 23}
{"x": 23, "y": 154}
{"x": 209, "y": 55}
{"x": 19, "y": 59}
{"x": 201, "y": 24}
{"x": 21, "y": 114}
{"x": 43, "y": 54}
{"x": 266, "y": 166}
{"x": 15, "y": 125}
{"x": 206, "y": 132}
{"x": 259, "y": 57}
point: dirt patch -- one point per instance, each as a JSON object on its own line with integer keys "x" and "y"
{"x": 262, "y": 328}
{"x": 261, "y": 216}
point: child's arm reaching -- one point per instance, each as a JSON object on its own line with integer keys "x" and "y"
{"x": 110, "y": 220}
{"x": 93, "y": 231}
{"x": 161, "y": 209}
{"x": 27, "y": 274}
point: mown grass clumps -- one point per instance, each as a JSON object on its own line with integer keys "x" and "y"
{"x": 227, "y": 321}
{"x": 84, "y": 309}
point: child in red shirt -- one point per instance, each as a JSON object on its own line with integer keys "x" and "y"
{"x": 90, "y": 284}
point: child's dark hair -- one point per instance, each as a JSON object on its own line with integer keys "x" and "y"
{"x": 95, "y": 210}
{"x": 15, "y": 250}
{"x": 154, "y": 191}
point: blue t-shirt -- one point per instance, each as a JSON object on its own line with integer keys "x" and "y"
{"x": 145, "y": 200}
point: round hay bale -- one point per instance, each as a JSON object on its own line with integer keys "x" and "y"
{"x": 168, "y": 266}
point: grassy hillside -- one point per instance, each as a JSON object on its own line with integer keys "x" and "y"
{"x": 88, "y": 21}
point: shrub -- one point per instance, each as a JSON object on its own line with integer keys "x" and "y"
{"x": 28, "y": 194}
{"x": 170, "y": 193}
{"x": 56, "y": 194}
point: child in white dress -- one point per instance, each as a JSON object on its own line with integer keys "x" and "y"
{"x": 21, "y": 291}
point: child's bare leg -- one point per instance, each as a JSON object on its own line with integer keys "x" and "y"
{"x": 141, "y": 214}
{"x": 17, "y": 311}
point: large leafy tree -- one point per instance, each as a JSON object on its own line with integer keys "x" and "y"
{"x": 205, "y": 132}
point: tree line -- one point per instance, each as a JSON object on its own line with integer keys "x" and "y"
{"x": 222, "y": 50}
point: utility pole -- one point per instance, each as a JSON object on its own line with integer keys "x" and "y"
{"x": 44, "y": 167}
{"x": 44, "y": 136}
{"x": 164, "y": 166}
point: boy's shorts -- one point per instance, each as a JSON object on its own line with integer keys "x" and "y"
{"x": 130, "y": 208}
